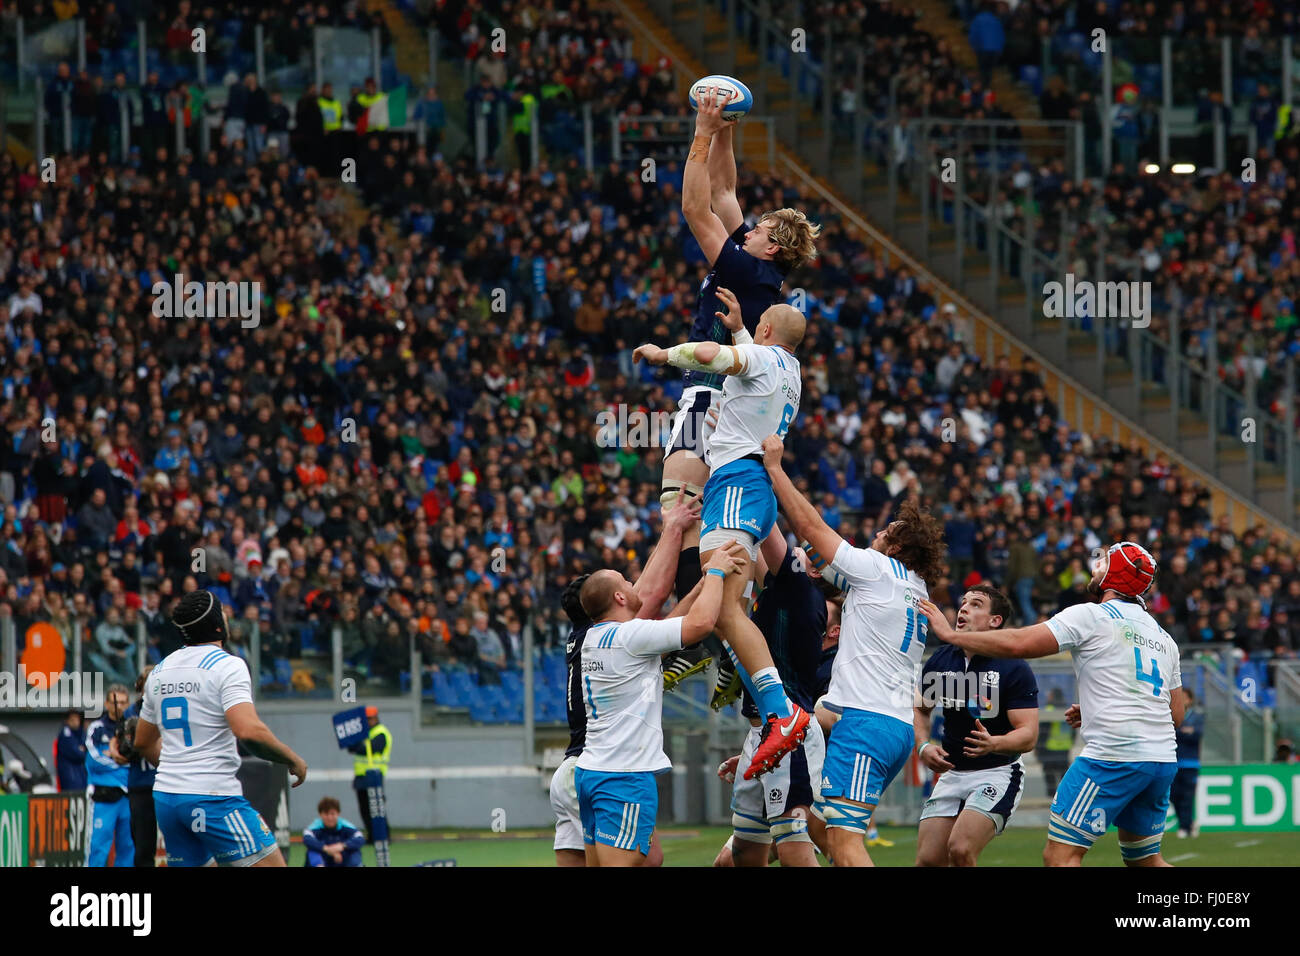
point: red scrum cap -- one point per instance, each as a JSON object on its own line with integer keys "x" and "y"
{"x": 1129, "y": 569}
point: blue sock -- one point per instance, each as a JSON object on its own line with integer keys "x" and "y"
{"x": 770, "y": 692}
{"x": 740, "y": 669}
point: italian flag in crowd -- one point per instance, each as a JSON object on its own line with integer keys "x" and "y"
{"x": 386, "y": 112}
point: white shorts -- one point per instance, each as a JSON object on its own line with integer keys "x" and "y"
{"x": 995, "y": 792}
{"x": 795, "y": 783}
{"x": 564, "y": 801}
{"x": 691, "y": 426}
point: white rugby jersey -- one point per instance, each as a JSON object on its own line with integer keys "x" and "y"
{"x": 882, "y": 634}
{"x": 1127, "y": 666}
{"x": 760, "y": 401}
{"x": 187, "y": 696}
{"x": 623, "y": 693}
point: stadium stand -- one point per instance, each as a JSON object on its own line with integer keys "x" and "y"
{"x": 471, "y": 481}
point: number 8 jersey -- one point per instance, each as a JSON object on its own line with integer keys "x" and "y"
{"x": 1127, "y": 666}
{"x": 187, "y": 696}
{"x": 759, "y": 400}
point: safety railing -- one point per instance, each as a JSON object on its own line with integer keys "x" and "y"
{"x": 992, "y": 240}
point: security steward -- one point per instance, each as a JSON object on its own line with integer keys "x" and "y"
{"x": 331, "y": 114}
{"x": 373, "y": 753}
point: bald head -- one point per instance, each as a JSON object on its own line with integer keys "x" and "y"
{"x": 609, "y": 594}
{"x": 597, "y": 593}
{"x": 783, "y": 324}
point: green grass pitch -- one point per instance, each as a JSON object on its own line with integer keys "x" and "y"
{"x": 697, "y": 846}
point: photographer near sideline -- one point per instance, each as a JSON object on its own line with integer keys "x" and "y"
{"x": 107, "y": 771}
{"x": 139, "y": 781}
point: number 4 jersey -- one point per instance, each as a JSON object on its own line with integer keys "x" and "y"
{"x": 1127, "y": 667}
{"x": 187, "y": 696}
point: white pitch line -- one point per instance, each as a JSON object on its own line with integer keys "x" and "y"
{"x": 1185, "y": 856}
{"x": 1247, "y": 843}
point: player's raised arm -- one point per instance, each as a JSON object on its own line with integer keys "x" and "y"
{"x": 697, "y": 356}
{"x": 703, "y": 615}
{"x": 260, "y": 742}
{"x": 1036, "y": 640}
{"x": 657, "y": 578}
{"x": 697, "y": 193}
{"x": 733, "y": 319}
{"x": 722, "y": 179}
{"x": 799, "y": 511}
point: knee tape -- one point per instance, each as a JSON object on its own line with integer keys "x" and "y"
{"x": 750, "y": 829}
{"x": 790, "y": 829}
{"x": 847, "y": 816}
{"x": 1140, "y": 849}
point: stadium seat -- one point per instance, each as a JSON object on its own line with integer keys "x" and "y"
{"x": 443, "y": 692}
{"x": 1032, "y": 77}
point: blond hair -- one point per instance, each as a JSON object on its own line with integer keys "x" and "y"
{"x": 796, "y": 236}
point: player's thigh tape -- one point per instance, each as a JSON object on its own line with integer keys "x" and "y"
{"x": 1140, "y": 849}
{"x": 749, "y": 828}
{"x": 848, "y": 816}
{"x": 1063, "y": 831}
{"x": 672, "y": 488}
{"x": 790, "y": 829}
{"x": 719, "y": 537}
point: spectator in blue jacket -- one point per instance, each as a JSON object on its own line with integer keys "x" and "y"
{"x": 987, "y": 39}
{"x": 108, "y": 774}
{"x": 70, "y": 753}
{"x": 433, "y": 113}
{"x": 1182, "y": 793}
{"x": 139, "y": 788}
{"x": 330, "y": 839}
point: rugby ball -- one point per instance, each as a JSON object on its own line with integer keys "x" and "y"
{"x": 734, "y": 94}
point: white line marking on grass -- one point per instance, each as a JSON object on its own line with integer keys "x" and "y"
{"x": 1247, "y": 843}
{"x": 1184, "y": 856}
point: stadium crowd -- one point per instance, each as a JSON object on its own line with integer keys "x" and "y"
{"x": 407, "y": 444}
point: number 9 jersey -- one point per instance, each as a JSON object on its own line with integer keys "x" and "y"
{"x": 1127, "y": 667}
{"x": 187, "y": 697}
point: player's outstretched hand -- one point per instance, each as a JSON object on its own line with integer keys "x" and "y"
{"x": 1074, "y": 716}
{"x": 939, "y": 625}
{"x": 732, "y": 318}
{"x": 684, "y": 512}
{"x": 731, "y": 558}
{"x": 936, "y": 758}
{"x": 773, "y": 449}
{"x": 979, "y": 743}
{"x": 298, "y": 769}
{"x": 727, "y": 769}
{"x": 708, "y": 113}
{"x": 651, "y": 353}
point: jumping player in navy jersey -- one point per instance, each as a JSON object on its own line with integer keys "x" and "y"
{"x": 653, "y": 586}
{"x": 990, "y": 718}
{"x": 750, "y": 262}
